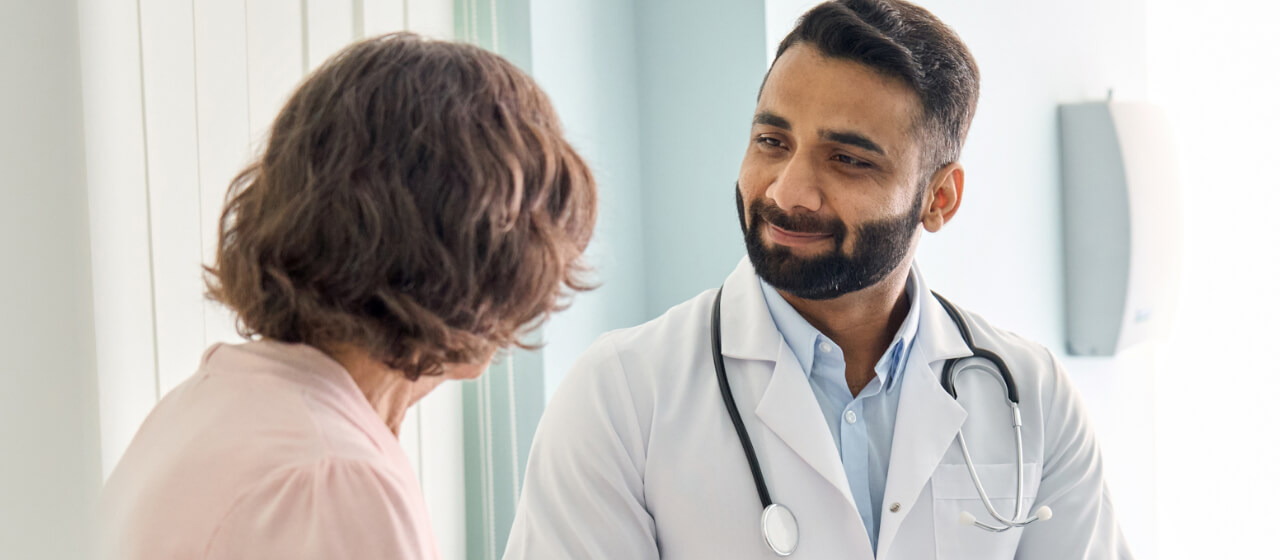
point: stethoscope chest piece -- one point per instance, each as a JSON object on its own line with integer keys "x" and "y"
{"x": 781, "y": 532}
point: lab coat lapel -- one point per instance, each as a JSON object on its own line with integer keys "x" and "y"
{"x": 747, "y": 328}
{"x": 787, "y": 406}
{"x": 928, "y": 418}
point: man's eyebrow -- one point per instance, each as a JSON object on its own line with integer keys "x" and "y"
{"x": 848, "y": 137}
{"x": 853, "y": 139}
{"x": 769, "y": 119}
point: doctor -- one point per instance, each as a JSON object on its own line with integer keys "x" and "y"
{"x": 834, "y": 350}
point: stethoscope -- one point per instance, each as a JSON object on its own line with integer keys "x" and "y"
{"x": 777, "y": 523}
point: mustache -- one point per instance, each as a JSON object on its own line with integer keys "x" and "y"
{"x": 769, "y": 212}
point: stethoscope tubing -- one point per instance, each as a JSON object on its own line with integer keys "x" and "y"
{"x": 1001, "y": 373}
{"x": 726, "y": 395}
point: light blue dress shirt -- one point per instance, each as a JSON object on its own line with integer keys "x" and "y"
{"x": 861, "y": 426}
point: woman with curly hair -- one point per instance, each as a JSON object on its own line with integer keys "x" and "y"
{"x": 416, "y": 209}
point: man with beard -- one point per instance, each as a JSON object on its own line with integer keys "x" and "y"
{"x": 804, "y": 401}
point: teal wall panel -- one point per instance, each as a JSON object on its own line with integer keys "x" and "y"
{"x": 585, "y": 59}
{"x": 701, "y": 64}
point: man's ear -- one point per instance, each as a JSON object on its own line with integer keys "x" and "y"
{"x": 942, "y": 197}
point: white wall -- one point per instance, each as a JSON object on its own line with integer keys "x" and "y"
{"x": 1002, "y": 255}
{"x": 1219, "y": 447}
{"x": 1033, "y": 56}
{"x": 178, "y": 96}
{"x": 48, "y": 405}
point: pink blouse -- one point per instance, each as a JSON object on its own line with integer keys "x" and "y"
{"x": 268, "y": 451}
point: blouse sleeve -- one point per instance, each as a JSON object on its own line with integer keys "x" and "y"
{"x": 332, "y": 509}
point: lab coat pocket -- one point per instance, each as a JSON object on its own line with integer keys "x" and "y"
{"x": 955, "y": 493}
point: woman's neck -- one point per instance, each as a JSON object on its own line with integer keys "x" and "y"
{"x": 388, "y": 391}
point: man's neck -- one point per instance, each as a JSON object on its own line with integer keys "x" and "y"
{"x": 862, "y": 323}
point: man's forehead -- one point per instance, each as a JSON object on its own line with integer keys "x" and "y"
{"x": 814, "y": 91}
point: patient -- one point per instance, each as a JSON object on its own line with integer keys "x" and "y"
{"x": 416, "y": 209}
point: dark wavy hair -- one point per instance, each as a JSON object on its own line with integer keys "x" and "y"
{"x": 416, "y": 199}
{"x": 906, "y": 42}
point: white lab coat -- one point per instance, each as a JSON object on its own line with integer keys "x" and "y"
{"x": 636, "y": 457}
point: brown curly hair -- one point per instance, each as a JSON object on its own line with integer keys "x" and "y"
{"x": 416, "y": 199}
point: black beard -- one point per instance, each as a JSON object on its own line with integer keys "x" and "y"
{"x": 879, "y": 248}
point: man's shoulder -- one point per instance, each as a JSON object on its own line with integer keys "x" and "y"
{"x": 680, "y": 325}
{"x": 986, "y": 334}
{"x": 1032, "y": 364}
{"x": 666, "y": 344}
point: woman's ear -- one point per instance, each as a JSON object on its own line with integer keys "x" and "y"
{"x": 942, "y": 198}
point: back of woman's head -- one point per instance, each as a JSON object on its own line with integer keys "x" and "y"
{"x": 416, "y": 200}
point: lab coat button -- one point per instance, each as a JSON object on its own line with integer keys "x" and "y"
{"x": 850, "y": 417}
{"x": 895, "y": 507}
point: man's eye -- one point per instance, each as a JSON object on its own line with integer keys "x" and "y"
{"x": 850, "y": 161}
{"x": 769, "y": 142}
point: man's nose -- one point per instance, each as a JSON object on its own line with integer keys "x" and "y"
{"x": 796, "y": 187}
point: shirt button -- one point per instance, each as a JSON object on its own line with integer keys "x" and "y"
{"x": 825, "y": 346}
{"x": 850, "y": 417}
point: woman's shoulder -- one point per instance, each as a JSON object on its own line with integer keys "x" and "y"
{"x": 334, "y": 507}
{"x": 290, "y": 398}
{"x": 245, "y": 431}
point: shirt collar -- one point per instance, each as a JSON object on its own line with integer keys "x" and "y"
{"x": 803, "y": 337}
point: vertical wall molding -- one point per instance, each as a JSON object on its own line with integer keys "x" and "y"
{"x": 115, "y": 165}
{"x": 169, "y": 119}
